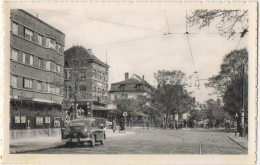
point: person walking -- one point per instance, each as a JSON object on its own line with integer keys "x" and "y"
{"x": 114, "y": 124}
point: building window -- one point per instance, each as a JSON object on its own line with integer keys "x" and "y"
{"x": 14, "y": 55}
{"x": 83, "y": 74}
{"x": 28, "y": 34}
{"x": 40, "y": 63}
{"x": 27, "y": 59}
{"x": 94, "y": 73}
{"x": 15, "y": 28}
{"x": 57, "y": 89}
{"x": 122, "y": 87}
{"x": 27, "y": 83}
{"x": 51, "y": 43}
{"x": 14, "y": 81}
{"x": 49, "y": 88}
{"x": 53, "y": 67}
{"x": 39, "y": 39}
{"x": 67, "y": 73}
{"x": 48, "y": 65}
{"x": 58, "y": 68}
{"x": 39, "y": 86}
{"x": 82, "y": 89}
{"x": 58, "y": 46}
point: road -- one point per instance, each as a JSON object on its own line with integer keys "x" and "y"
{"x": 158, "y": 141}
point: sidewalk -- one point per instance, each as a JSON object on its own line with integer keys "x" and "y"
{"x": 242, "y": 141}
{"x": 43, "y": 143}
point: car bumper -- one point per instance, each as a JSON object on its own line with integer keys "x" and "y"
{"x": 77, "y": 140}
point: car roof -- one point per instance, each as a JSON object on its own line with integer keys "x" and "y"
{"x": 85, "y": 120}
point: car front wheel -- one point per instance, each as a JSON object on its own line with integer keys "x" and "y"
{"x": 93, "y": 140}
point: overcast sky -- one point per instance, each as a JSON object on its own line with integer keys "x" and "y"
{"x": 146, "y": 49}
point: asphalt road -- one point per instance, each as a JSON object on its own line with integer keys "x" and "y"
{"x": 158, "y": 141}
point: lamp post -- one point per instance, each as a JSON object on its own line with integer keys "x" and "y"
{"x": 236, "y": 117}
{"x": 242, "y": 131}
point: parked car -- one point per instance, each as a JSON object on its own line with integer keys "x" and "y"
{"x": 108, "y": 124}
{"x": 83, "y": 130}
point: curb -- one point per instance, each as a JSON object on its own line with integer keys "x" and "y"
{"x": 237, "y": 143}
{"x": 34, "y": 150}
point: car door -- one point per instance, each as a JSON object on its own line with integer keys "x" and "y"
{"x": 99, "y": 133}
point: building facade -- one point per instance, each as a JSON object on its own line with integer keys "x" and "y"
{"x": 36, "y": 67}
{"x": 86, "y": 82}
{"x": 133, "y": 87}
{"x": 130, "y": 88}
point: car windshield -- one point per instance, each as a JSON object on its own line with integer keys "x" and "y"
{"x": 80, "y": 123}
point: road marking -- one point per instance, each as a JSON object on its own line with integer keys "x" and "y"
{"x": 175, "y": 148}
{"x": 200, "y": 148}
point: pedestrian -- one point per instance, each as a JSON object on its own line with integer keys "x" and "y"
{"x": 114, "y": 125}
{"x": 147, "y": 124}
{"x": 122, "y": 125}
{"x": 163, "y": 125}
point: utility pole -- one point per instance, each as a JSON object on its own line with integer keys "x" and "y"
{"x": 242, "y": 131}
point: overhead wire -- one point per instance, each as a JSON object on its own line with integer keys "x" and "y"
{"x": 167, "y": 22}
{"x": 127, "y": 41}
{"x": 115, "y": 23}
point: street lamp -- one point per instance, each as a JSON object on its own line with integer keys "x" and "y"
{"x": 242, "y": 131}
{"x": 236, "y": 117}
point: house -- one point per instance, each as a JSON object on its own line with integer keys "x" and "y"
{"x": 91, "y": 92}
{"x": 36, "y": 62}
{"x": 134, "y": 87}
{"x": 130, "y": 87}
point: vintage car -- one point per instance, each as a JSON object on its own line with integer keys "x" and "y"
{"x": 108, "y": 124}
{"x": 83, "y": 130}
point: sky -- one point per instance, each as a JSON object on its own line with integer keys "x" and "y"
{"x": 133, "y": 41}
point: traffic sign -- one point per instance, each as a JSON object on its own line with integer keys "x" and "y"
{"x": 125, "y": 114}
{"x": 66, "y": 104}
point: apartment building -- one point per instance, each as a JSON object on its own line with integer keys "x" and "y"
{"x": 87, "y": 81}
{"x": 36, "y": 72}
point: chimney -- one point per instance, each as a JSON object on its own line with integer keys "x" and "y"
{"x": 126, "y": 75}
{"x": 143, "y": 77}
{"x": 89, "y": 51}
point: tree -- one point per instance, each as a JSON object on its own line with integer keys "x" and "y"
{"x": 171, "y": 97}
{"x": 232, "y": 82}
{"x": 213, "y": 112}
{"x": 77, "y": 63}
{"x": 228, "y": 21}
{"x": 134, "y": 107}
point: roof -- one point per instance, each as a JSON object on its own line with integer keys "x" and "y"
{"x": 129, "y": 81}
{"x": 73, "y": 51}
{"x": 142, "y": 80}
{"x": 40, "y": 21}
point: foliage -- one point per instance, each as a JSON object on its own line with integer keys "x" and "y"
{"x": 175, "y": 77}
{"x": 232, "y": 81}
{"x": 77, "y": 63}
{"x": 229, "y": 21}
{"x": 171, "y": 97}
{"x": 131, "y": 106}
